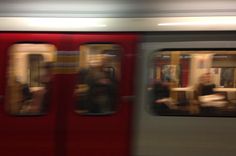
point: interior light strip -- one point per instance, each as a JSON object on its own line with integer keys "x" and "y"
{"x": 199, "y": 21}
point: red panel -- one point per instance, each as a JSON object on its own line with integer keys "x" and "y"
{"x": 102, "y": 135}
{"x": 27, "y": 135}
{"x": 62, "y": 131}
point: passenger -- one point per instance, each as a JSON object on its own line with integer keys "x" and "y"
{"x": 161, "y": 90}
{"x": 27, "y": 98}
{"x": 100, "y": 93}
{"x": 41, "y": 98}
{"x": 161, "y": 98}
{"x": 27, "y": 95}
{"x": 206, "y": 94}
{"x": 206, "y": 86}
{"x": 20, "y": 95}
{"x": 46, "y": 80}
{"x": 81, "y": 91}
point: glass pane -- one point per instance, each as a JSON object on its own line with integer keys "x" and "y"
{"x": 196, "y": 83}
{"x": 35, "y": 64}
{"x": 29, "y": 78}
{"x": 97, "y": 79}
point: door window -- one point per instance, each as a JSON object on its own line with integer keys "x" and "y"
{"x": 29, "y": 78}
{"x": 97, "y": 79}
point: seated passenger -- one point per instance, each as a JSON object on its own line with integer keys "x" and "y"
{"x": 27, "y": 95}
{"x": 206, "y": 93}
{"x": 206, "y": 86}
{"x": 162, "y": 103}
{"x": 161, "y": 91}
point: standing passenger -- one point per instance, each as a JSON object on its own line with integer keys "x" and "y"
{"x": 47, "y": 81}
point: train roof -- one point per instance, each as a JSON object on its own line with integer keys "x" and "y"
{"x": 116, "y": 8}
{"x": 117, "y": 16}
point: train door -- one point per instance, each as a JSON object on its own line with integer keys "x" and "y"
{"x": 28, "y": 91}
{"x": 98, "y": 112}
{"x": 186, "y": 102}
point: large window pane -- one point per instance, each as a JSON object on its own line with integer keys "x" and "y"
{"x": 197, "y": 83}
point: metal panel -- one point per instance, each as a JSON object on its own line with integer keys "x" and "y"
{"x": 168, "y": 136}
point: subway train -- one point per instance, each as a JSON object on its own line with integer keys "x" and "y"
{"x": 117, "y": 93}
{"x": 154, "y": 83}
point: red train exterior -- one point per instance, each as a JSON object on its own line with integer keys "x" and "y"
{"x": 62, "y": 131}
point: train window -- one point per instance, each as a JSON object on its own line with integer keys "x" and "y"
{"x": 97, "y": 79}
{"x": 29, "y": 77}
{"x": 192, "y": 83}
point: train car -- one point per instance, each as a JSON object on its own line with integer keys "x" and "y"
{"x": 118, "y": 79}
{"x": 179, "y": 119}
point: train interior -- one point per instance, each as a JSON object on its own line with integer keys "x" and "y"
{"x": 98, "y": 69}
{"x": 27, "y": 76}
{"x": 193, "y": 82}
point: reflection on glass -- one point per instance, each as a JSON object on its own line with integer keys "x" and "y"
{"x": 98, "y": 74}
{"x": 29, "y": 79}
{"x": 197, "y": 83}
